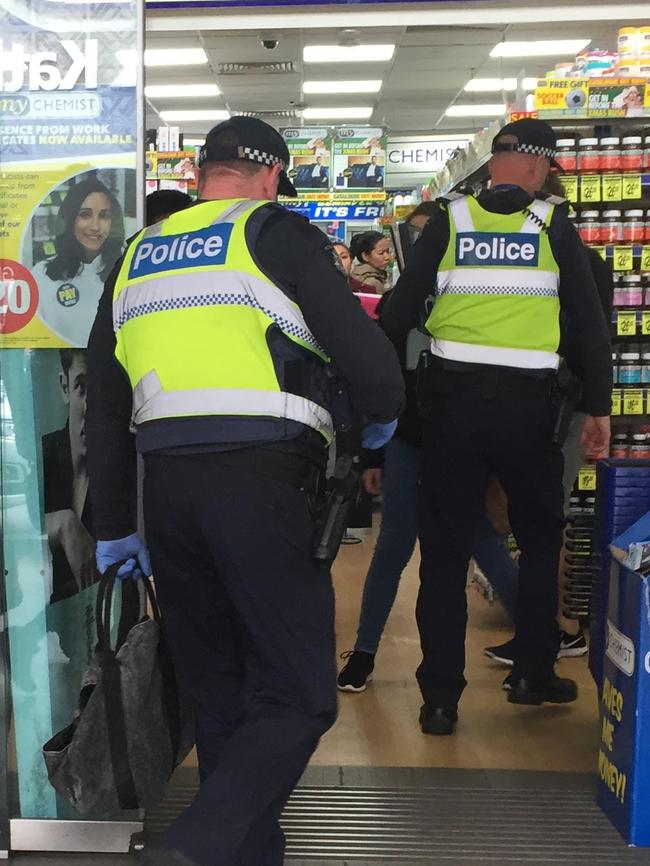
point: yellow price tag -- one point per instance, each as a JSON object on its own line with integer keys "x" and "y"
{"x": 602, "y": 252}
{"x": 612, "y": 187}
{"x": 645, "y": 323}
{"x": 626, "y": 324}
{"x": 623, "y": 259}
{"x": 616, "y": 402}
{"x": 570, "y": 184}
{"x": 587, "y": 478}
{"x": 590, "y": 188}
{"x": 632, "y": 186}
{"x": 633, "y": 403}
{"x": 645, "y": 259}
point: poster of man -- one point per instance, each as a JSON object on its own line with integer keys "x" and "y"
{"x": 68, "y": 517}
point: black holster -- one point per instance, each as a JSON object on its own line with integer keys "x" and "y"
{"x": 566, "y": 391}
{"x": 338, "y": 495}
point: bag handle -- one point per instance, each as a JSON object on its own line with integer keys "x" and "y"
{"x": 130, "y": 609}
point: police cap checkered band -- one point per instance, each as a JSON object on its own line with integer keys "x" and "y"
{"x": 535, "y": 149}
{"x": 261, "y": 156}
{"x": 528, "y": 135}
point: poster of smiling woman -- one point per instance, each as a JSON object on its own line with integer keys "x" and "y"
{"x": 68, "y": 137}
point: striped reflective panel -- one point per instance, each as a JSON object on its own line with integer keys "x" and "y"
{"x": 498, "y": 281}
{"x": 528, "y": 359}
{"x": 226, "y": 288}
{"x": 150, "y": 405}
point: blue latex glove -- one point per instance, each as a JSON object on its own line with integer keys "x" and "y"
{"x": 132, "y": 549}
{"x": 377, "y": 435}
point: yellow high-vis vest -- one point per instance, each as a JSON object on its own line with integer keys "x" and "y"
{"x": 497, "y": 289}
{"x": 193, "y": 316}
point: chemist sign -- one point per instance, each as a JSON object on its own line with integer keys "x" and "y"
{"x": 413, "y": 160}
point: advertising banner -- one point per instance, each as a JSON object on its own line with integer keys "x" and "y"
{"x": 68, "y": 145}
{"x": 310, "y": 149}
{"x": 69, "y": 196}
{"x": 360, "y": 212}
{"x": 593, "y": 97}
{"x": 359, "y": 158}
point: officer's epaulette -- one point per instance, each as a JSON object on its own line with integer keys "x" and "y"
{"x": 446, "y": 199}
{"x": 552, "y": 199}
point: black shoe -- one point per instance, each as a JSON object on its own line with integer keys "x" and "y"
{"x": 504, "y": 653}
{"x": 572, "y": 645}
{"x": 439, "y": 721}
{"x": 357, "y": 673}
{"x": 556, "y": 690}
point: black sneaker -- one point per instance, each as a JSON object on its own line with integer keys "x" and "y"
{"x": 503, "y": 654}
{"x": 438, "y": 721}
{"x": 357, "y": 673}
{"x": 572, "y": 645}
{"x": 557, "y": 690}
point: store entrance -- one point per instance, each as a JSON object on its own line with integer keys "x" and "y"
{"x": 383, "y": 107}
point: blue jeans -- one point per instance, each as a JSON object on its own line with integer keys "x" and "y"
{"x": 396, "y": 543}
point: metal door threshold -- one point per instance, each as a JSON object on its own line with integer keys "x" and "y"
{"x": 416, "y": 817}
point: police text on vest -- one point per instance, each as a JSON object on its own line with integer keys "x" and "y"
{"x": 205, "y": 247}
{"x": 485, "y": 249}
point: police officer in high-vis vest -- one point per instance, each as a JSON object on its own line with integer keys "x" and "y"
{"x": 217, "y": 339}
{"x": 507, "y": 271}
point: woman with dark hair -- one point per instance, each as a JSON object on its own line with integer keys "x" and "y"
{"x": 89, "y": 240}
{"x": 373, "y": 254}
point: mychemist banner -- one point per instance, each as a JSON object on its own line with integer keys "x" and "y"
{"x": 68, "y": 154}
{"x": 310, "y": 149}
{"x": 69, "y": 195}
{"x": 359, "y": 158}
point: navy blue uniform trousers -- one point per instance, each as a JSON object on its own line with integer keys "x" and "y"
{"x": 477, "y": 425}
{"x": 250, "y": 621}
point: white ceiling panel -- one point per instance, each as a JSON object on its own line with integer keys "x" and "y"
{"x": 429, "y": 69}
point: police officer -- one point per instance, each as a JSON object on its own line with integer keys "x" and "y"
{"x": 503, "y": 268}
{"x": 217, "y": 336}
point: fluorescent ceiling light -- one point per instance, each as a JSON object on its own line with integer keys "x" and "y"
{"x": 491, "y": 110}
{"x": 334, "y": 113}
{"x": 373, "y": 86}
{"x": 202, "y": 114}
{"x": 542, "y": 48}
{"x": 495, "y": 85}
{"x": 347, "y": 53}
{"x": 176, "y": 91}
{"x": 174, "y": 56}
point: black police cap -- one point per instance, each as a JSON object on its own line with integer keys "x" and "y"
{"x": 528, "y": 135}
{"x": 248, "y": 138}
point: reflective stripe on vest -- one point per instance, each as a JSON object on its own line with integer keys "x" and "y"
{"x": 191, "y": 314}
{"x": 153, "y": 403}
{"x": 497, "y": 288}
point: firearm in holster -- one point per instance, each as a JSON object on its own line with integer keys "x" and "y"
{"x": 566, "y": 390}
{"x": 338, "y": 495}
